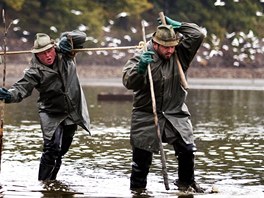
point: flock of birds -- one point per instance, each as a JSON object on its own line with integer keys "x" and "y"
{"x": 243, "y": 46}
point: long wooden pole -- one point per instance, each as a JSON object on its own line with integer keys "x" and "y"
{"x": 156, "y": 120}
{"x": 2, "y": 103}
{"x": 184, "y": 82}
{"x": 78, "y": 50}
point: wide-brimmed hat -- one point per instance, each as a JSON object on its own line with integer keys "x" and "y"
{"x": 42, "y": 43}
{"x": 166, "y": 36}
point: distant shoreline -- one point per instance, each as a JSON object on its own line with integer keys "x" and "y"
{"x": 194, "y": 83}
{"x": 199, "y": 78}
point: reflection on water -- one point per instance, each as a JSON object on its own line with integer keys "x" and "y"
{"x": 228, "y": 128}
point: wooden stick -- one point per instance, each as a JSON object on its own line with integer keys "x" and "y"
{"x": 156, "y": 121}
{"x": 79, "y": 50}
{"x": 184, "y": 82}
{"x": 2, "y": 103}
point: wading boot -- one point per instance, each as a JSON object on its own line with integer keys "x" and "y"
{"x": 45, "y": 172}
{"x": 186, "y": 180}
{"x": 56, "y": 169}
{"x": 197, "y": 187}
{"x": 193, "y": 187}
{"x": 138, "y": 179}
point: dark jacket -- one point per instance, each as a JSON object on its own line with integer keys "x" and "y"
{"x": 60, "y": 93}
{"x": 170, "y": 95}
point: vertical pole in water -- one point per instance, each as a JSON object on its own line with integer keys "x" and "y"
{"x": 156, "y": 121}
{"x": 2, "y": 102}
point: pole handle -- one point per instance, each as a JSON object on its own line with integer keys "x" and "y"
{"x": 184, "y": 82}
{"x": 162, "y": 18}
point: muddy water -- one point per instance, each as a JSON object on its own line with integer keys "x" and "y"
{"x": 229, "y": 132}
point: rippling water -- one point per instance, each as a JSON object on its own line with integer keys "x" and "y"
{"x": 228, "y": 129}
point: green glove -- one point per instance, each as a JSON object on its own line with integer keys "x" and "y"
{"x": 145, "y": 59}
{"x": 169, "y": 21}
{"x": 174, "y": 24}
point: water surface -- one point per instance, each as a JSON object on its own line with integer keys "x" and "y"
{"x": 228, "y": 127}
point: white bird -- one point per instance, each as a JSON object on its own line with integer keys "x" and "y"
{"x": 241, "y": 40}
{"x": 122, "y": 14}
{"x": 259, "y": 13}
{"x": 215, "y": 41}
{"x": 225, "y": 47}
{"x": 242, "y": 34}
{"x": 108, "y": 38}
{"x": 219, "y": 3}
{"x": 206, "y": 45}
{"x": 112, "y": 45}
{"x": 145, "y": 23}
{"x": 250, "y": 34}
{"x": 25, "y": 32}
{"x": 102, "y": 52}
{"x": 76, "y": 12}
{"x": 128, "y": 38}
{"x": 117, "y": 55}
{"x": 230, "y": 35}
{"x": 53, "y": 28}
{"x": 204, "y": 31}
{"x": 106, "y": 29}
{"x": 117, "y": 41}
{"x": 16, "y": 29}
{"x": 23, "y": 39}
{"x": 214, "y": 53}
{"x": 236, "y": 64}
{"x": 235, "y": 42}
{"x": 83, "y": 27}
{"x": 90, "y": 38}
{"x": 15, "y": 22}
{"x": 111, "y": 22}
{"x": 133, "y": 30}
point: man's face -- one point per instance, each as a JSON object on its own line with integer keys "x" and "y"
{"x": 47, "y": 57}
{"x": 164, "y": 52}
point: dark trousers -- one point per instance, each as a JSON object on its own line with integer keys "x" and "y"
{"x": 140, "y": 168}
{"x": 54, "y": 150}
{"x": 142, "y": 160}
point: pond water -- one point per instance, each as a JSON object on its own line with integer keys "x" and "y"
{"x": 228, "y": 126}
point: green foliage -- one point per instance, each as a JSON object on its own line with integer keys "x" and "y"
{"x": 232, "y": 17}
{"x": 105, "y": 26}
{"x": 14, "y": 4}
{"x": 63, "y": 15}
{"x": 39, "y": 15}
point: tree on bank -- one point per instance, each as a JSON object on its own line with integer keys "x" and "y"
{"x": 234, "y": 27}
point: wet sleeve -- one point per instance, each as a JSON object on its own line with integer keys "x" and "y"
{"x": 191, "y": 41}
{"x": 78, "y": 38}
{"x": 131, "y": 78}
{"x": 24, "y": 87}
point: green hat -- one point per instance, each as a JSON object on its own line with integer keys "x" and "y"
{"x": 165, "y": 36}
{"x": 42, "y": 43}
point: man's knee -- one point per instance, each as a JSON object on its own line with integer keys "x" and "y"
{"x": 182, "y": 147}
{"x": 142, "y": 157}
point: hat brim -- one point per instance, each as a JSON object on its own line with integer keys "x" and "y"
{"x": 35, "y": 51}
{"x": 166, "y": 43}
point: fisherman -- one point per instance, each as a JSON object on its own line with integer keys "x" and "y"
{"x": 61, "y": 103}
{"x": 165, "y": 51}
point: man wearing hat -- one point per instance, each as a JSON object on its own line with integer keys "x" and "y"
{"x": 165, "y": 52}
{"x": 61, "y": 103}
